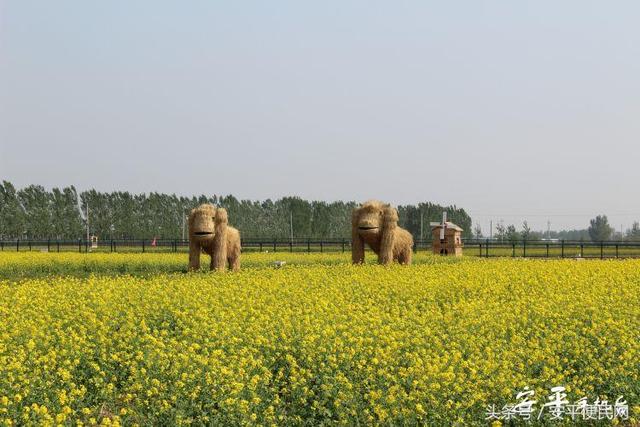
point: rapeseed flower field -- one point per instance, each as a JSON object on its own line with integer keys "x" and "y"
{"x": 85, "y": 340}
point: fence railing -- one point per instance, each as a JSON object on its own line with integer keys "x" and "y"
{"x": 552, "y": 249}
{"x": 472, "y": 247}
{"x": 171, "y": 245}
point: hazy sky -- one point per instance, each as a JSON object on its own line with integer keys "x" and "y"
{"x": 512, "y": 110}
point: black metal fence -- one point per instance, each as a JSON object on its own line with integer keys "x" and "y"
{"x": 171, "y": 245}
{"x": 472, "y": 247}
{"x": 552, "y": 249}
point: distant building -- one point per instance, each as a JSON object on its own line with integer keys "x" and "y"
{"x": 452, "y": 243}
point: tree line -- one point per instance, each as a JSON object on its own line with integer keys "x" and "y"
{"x": 599, "y": 230}
{"x": 34, "y": 212}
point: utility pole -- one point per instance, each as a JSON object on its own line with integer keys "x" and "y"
{"x": 549, "y": 229}
{"x": 183, "y": 222}
{"x": 87, "y": 221}
{"x": 491, "y": 230}
{"x": 291, "y": 225}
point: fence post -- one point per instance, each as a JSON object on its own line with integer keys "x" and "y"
{"x": 48, "y": 245}
{"x": 142, "y": 245}
{"x": 486, "y": 249}
{"x": 17, "y": 245}
{"x": 321, "y": 250}
{"x": 513, "y": 253}
{"x": 343, "y": 245}
{"x": 86, "y": 246}
{"x": 290, "y": 246}
{"x": 562, "y": 249}
{"x": 260, "y": 246}
{"x": 524, "y": 249}
{"x": 274, "y": 246}
{"x": 29, "y": 245}
{"x": 601, "y": 250}
{"x": 617, "y": 250}
{"x": 581, "y": 250}
{"x": 80, "y": 245}
{"x": 547, "y": 250}
{"x": 58, "y": 244}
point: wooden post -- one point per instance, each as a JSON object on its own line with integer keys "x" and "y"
{"x": 562, "y": 249}
{"x": 601, "y": 250}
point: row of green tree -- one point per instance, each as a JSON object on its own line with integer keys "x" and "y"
{"x": 34, "y": 212}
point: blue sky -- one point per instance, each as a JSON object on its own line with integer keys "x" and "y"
{"x": 512, "y": 110}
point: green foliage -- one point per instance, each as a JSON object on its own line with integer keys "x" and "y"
{"x": 511, "y": 234}
{"x": 633, "y": 234}
{"x": 600, "y": 230}
{"x": 33, "y": 212}
{"x": 526, "y": 231}
{"x": 417, "y": 218}
{"x": 11, "y": 213}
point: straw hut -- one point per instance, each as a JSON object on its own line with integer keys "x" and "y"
{"x": 452, "y": 242}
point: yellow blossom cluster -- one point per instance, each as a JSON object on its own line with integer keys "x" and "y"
{"x": 16, "y": 265}
{"x": 427, "y": 344}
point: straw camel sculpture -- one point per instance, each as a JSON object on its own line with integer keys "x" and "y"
{"x": 209, "y": 231}
{"x": 376, "y": 224}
